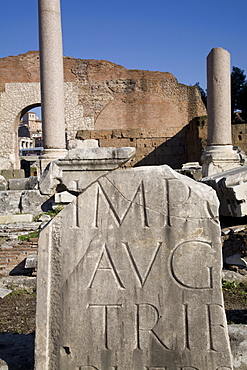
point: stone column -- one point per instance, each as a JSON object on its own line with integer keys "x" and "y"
{"x": 52, "y": 80}
{"x": 219, "y": 155}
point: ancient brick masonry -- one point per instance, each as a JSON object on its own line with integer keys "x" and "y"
{"x": 153, "y": 146}
{"x": 14, "y": 257}
{"x": 98, "y": 95}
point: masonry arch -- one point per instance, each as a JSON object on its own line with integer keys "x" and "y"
{"x": 18, "y": 98}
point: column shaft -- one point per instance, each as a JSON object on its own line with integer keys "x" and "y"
{"x": 219, "y": 97}
{"x": 51, "y": 74}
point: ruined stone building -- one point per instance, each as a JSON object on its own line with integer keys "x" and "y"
{"x": 103, "y": 101}
{"x": 30, "y": 131}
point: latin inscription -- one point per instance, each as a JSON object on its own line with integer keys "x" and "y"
{"x": 107, "y": 265}
{"x": 147, "y": 319}
{"x": 184, "y": 271}
{"x": 105, "y": 198}
{"x": 143, "y": 285}
{"x": 119, "y": 218}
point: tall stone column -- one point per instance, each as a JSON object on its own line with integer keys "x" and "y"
{"x": 219, "y": 155}
{"x": 52, "y": 80}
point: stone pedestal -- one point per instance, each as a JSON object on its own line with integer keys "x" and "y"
{"x": 219, "y": 155}
{"x": 81, "y": 167}
{"x": 52, "y": 81}
{"x": 218, "y": 158}
{"x": 48, "y": 156}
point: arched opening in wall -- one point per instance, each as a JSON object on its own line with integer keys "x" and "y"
{"x": 30, "y": 139}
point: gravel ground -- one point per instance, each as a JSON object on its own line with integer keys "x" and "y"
{"x": 17, "y": 325}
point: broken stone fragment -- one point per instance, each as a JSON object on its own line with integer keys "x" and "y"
{"x": 231, "y": 188}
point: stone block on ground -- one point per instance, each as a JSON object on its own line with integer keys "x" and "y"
{"x": 4, "y": 292}
{"x": 238, "y": 340}
{"x": 64, "y": 197}
{"x": 129, "y": 277}
{"x": 29, "y": 183}
{"x": 12, "y": 174}
{"x": 81, "y": 166}
{"x": 3, "y": 183}
{"x": 10, "y": 202}
{"x": 9, "y": 219}
{"x": 34, "y": 202}
{"x": 31, "y": 262}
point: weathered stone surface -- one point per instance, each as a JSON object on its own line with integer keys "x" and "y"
{"x": 238, "y": 338}
{"x": 10, "y": 202}
{"x": 50, "y": 179}
{"x": 64, "y": 197}
{"x": 31, "y": 261}
{"x": 3, "y": 183}
{"x": 3, "y": 365}
{"x": 89, "y": 143}
{"x": 129, "y": 277}
{"x": 231, "y": 188}
{"x": 8, "y": 219}
{"x": 34, "y": 202}
{"x": 29, "y": 183}
{"x": 4, "y": 292}
{"x": 44, "y": 218}
{"x": 12, "y": 174}
{"x": 232, "y": 276}
{"x": 81, "y": 167}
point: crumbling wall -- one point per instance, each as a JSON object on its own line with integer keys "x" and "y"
{"x": 154, "y": 146}
{"x": 98, "y": 95}
{"x": 196, "y": 138}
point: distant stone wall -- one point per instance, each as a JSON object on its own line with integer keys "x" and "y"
{"x": 98, "y": 95}
{"x": 153, "y": 146}
{"x": 196, "y": 138}
{"x": 239, "y": 136}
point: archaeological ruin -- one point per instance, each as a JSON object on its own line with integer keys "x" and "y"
{"x": 129, "y": 271}
{"x": 100, "y": 98}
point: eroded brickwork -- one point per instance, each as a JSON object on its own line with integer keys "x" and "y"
{"x": 98, "y": 95}
{"x": 12, "y": 260}
{"x": 154, "y": 146}
{"x": 196, "y": 140}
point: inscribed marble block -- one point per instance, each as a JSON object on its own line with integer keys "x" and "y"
{"x": 129, "y": 277}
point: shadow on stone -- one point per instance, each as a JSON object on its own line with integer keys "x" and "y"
{"x": 172, "y": 152}
{"x": 17, "y": 351}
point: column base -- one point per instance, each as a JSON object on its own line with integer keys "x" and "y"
{"x": 49, "y": 155}
{"x": 219, "y": 158}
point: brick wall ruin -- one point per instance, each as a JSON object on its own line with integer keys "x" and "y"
{"x": 196, "y": 138}
{"x": 99, "y": 95}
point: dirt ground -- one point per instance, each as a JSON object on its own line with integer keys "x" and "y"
{"x": 18, "y": 309}
{"x": 17, "y": 323}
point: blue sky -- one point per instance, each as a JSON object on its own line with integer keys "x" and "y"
{"x": 173, "y": 36}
